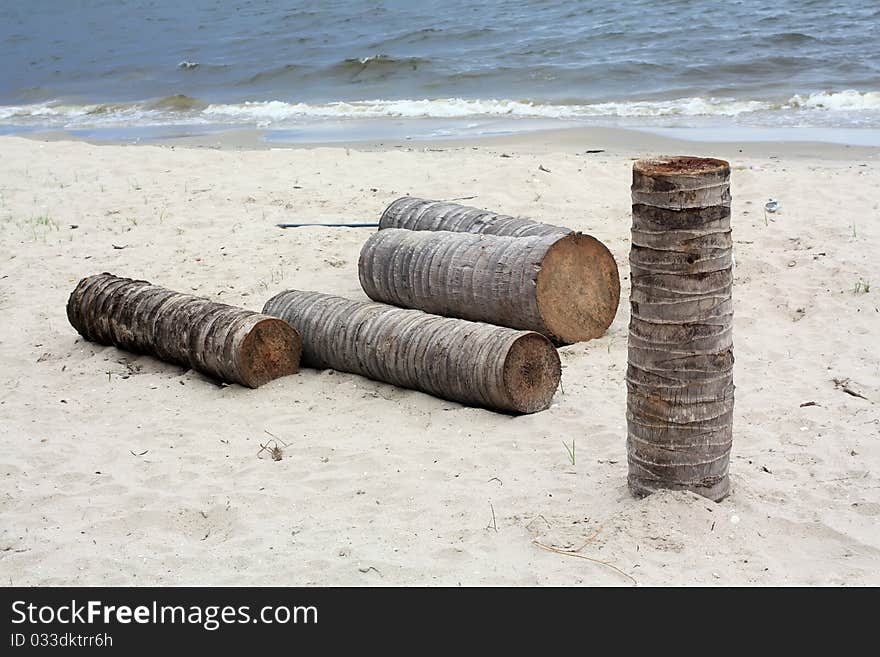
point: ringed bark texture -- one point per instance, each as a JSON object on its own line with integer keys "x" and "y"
{"x": 420, "y": 214}
{"x": 680, "y": 373}
{"x": 228, "y": 343}
{"x": 564, "y": 286}
{"x": 469, "y": 362}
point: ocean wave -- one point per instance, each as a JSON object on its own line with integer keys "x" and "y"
{"x": 178, "y": 103}
{"x": 182, "y": 109}
{"x": 347, "y": 70}
{"x": 292, "y": 71}
{"x": 842, "y": 101}
{"x": 378, "y": 63}
{"x": 452, "y": 108}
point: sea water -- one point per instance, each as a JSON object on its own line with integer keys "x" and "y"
{"x": 390, "y": 68}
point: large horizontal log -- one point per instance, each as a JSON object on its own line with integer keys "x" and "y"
{"x": 225, "y": 342}
{"x": 421, "y": 214}
{"x": 565, "y": 286}
{"x": 468, "y": 362}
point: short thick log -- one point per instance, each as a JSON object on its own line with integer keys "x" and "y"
{"x": 421, "y": 214}
{"x": 565, "y": 286}
{"x": 680, "y": 373}
{"x": 225, "y": 342}
{"x": 469, "y": 362}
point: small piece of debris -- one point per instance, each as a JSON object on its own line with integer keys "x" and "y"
{"x": 809, "y": 403}
{"x": 541, "y": 167}
{"x": 843, "y": 384}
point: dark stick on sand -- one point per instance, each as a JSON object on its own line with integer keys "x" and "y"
{"x": 329, "y": 225}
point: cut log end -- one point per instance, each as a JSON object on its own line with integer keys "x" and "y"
{"x": 680, "y": 165}
{"x": 531, "y": 373}
{"x": 271, "y": 349}
{"x": 578, "y": 288}
{"x": 715, "y": 490}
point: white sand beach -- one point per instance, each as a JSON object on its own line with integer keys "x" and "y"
{"x": 118, "y": 469}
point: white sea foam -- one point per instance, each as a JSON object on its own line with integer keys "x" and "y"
{"x": 846, "y": 101}
{"x": 276, "y": 113}
{"x": 449, "y": 108}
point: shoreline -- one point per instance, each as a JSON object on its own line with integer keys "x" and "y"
{"x": 638, "y": 141}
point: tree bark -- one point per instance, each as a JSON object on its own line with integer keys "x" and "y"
{"x": 468, "y": 362}
{"x": 680, "y": 373}
{"x": 420, "y": 214}
{"x": 565, "y": 286}
{"x": 228, "y": 343}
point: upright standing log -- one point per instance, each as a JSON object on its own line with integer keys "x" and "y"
{"x": 469, "y": 362}
{"x": 421, "y": 214}
{"x": 229, "y": 343}
{"x": 565, "y": 286}
{"x": 680, "y": 373}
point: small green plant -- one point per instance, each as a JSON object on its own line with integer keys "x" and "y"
{"x": 571, "y": 452}
{"x": 862, "y": 287}
{"x": 46, "y": 221}
{"x": 277, "y": 274}
{"x": 40, "y": 226}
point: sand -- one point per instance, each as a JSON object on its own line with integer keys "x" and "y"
{"x": 118, "y": 469}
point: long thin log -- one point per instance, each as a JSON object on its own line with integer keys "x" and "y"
{"x": 421, "y": 214}
{"x": 228, "y": 343}
{"x": 469, "y": 362}
{"x": 680, "y": 372}
{"x": 564, "y": 286}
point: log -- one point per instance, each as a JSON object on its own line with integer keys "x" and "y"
{"x": 680, "y": 365}
{"x": 225, "y": 342}
{"x": 469, "y": 362}
{"x": 565, "y": 286}
{"x": 421, "y": 214}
